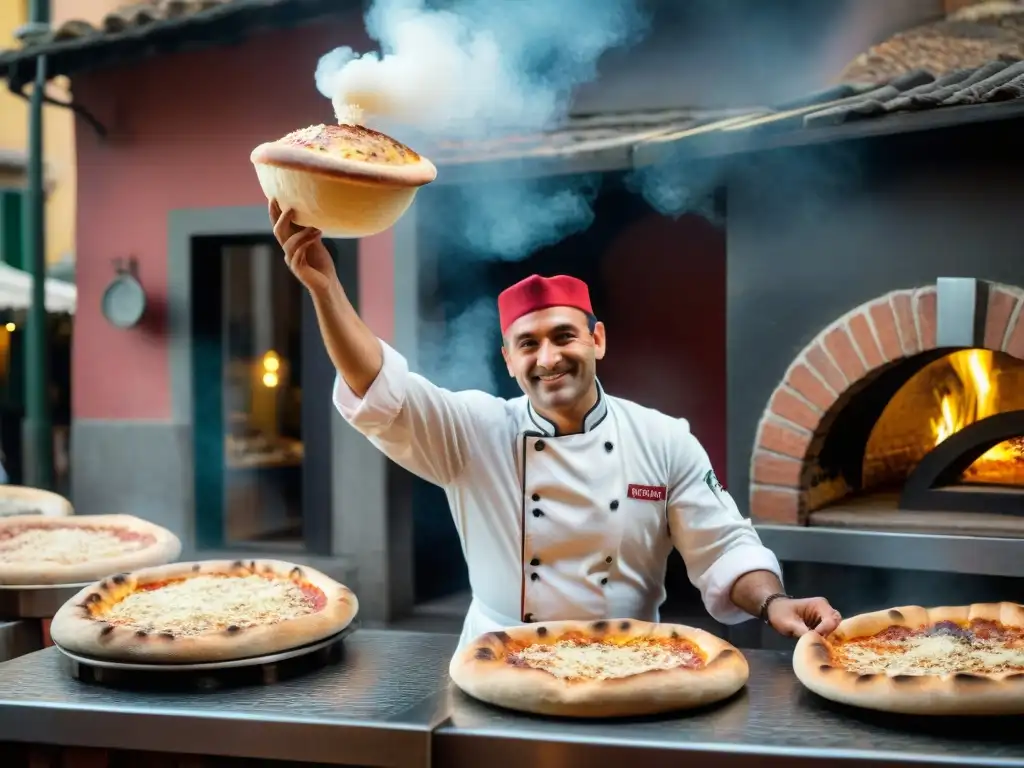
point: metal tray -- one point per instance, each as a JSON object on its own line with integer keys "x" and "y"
{"x": 255, "y": 670}
{"x": 35, "y": 601}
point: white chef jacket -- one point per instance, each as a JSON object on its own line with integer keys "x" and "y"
{"x": 557, "y": 527}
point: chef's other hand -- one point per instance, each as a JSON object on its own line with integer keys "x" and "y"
{"x": 793, "y": 618}
{"x": 304, "y": 251}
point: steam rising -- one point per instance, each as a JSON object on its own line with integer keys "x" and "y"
{"x": 482, "y": 69}
{"x": 456, "y": 355}
{"x": 478, "y": 67}
{"x": 672, "y": 190}
{"x": 511, "y": 220}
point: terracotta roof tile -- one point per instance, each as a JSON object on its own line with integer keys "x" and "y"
{"x": 126, "y": 18}
{"x": 966, "y": 39}
{"x": 144, "y": 29}
{"x": 579, "y": 134}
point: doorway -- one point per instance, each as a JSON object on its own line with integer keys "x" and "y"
{"x": 247, "y": 370}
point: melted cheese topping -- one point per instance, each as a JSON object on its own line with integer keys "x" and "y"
{"x": 210, "y": 604}
{"x": 351, "y": 142}
{"x": 349, "y": 114}
{"x": 575, "y": 660}
{"x": 66, "y": 546}
{"x": 936, "y": 654}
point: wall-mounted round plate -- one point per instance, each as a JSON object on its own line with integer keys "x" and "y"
{"x": 124, "y": 301}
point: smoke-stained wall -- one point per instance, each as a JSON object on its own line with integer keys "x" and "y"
{"x": 658, "y": 284}
{"x": 816, "y": 231}
{"x": 743, "y": 52}
{"x": 181, "y": 130}
{"x": 182, "y": 126}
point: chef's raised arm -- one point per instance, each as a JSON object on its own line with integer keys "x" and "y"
{"x": 716, "y": 542}
{"x": 426, "y": 429}
{"x": 416, "y": 424}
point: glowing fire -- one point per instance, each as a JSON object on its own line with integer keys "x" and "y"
{"x": 973, "y": 400}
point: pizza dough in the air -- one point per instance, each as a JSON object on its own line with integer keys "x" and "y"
{"x": 216, "y": 610}
{"x": 346, "y": 180}
{"x": 599, "y": 668}
{"x": 45, "y": 550}
{"x": 964, "y": 660}
{"x": 22, "y": 500}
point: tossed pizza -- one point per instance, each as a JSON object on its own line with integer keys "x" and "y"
{"x": 208, "y": 611}
{"x": 22, "y": 500}
{"x": 345, "y": 180}
{"x": 608, "y": 668}
{"x": 965, "y": 660}
{"x": 44, "y": 550}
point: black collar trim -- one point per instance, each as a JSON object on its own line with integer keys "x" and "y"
{"x": 594, "y": 416}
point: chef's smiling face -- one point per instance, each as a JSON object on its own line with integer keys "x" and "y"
{"x": 553, "y": 354}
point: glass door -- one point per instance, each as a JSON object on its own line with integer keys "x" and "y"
{"x": 247, "y": 366}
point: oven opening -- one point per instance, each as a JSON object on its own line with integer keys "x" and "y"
{"x": 931, "y": 444}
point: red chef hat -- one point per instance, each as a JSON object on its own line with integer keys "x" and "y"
{"x": 536, "y": 292}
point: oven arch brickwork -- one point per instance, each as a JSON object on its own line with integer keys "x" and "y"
{"x": 830, "y": 369}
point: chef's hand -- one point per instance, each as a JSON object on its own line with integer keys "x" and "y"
{"x": 793, "y": 618}
{"x": 304, "y": 251}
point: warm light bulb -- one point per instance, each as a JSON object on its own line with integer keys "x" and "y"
{"x": 271, "y": 362}
{"x": 11, "y": 327}
{"x": 270, "y": 379}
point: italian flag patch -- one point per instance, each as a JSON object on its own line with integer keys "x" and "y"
{"x": 716, "y": 487}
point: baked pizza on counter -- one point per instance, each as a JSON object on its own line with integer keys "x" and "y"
{"x": 600, "y": 668}
{"x": 964, "y": 660}
{"x": 208, "y": 611}
{"x": 46, "y": 550}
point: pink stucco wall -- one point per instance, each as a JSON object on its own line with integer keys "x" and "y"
{"x": 182, "y": 130}
{"x": 182, "y": 127}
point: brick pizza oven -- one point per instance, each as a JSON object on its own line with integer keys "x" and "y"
{"x": 875, "y": 351}
{"x": 904, "y": 414}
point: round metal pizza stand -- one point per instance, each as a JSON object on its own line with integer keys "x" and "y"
{"x": 212, "y": 676}
{"x": 39, "y": 601}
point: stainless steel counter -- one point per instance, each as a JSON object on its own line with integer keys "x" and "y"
{"x": 376, "y": 707}
{"x": 981, "y": 555}
{"x": 18, "y": 638}
{"x": 773, "y": 723}
{"x": 388, "y": 702}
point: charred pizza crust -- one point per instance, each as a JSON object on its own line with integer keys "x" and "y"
{"x": 145, "y": 544}
{"x": 85, "y": 625}
{"x": 345, "y": 180}
{"x": 488, "y": 670}
{"x": 22, "y": 500}
{"x": 818, "y": 664}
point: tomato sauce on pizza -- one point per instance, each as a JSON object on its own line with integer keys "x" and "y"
{"x": 576, "y": 656}
{"x": 977, "y": 646}
{"x": 208, "y": 603}
{"x": 28, "y": 542}
{"x": 603, "y": 668}
{"x": 946, "y": 660}
{"x": 204, "y": 611}
{"x": 57, "y": 549}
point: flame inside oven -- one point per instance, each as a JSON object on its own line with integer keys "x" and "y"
{"x": 938, "y": 401}
{"x": 972, "y": 397}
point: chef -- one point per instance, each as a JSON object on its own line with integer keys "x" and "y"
{"x": 567, "y": 500}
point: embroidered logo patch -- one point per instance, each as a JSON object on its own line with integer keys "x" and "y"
{"x": 646, "y": 492}
{"x": 716, "y": 487}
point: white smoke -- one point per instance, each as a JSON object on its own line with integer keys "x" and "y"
{"x": 481, "y": 69}
{"x": 476, "y": 65}
{"x": 456, "y": 356}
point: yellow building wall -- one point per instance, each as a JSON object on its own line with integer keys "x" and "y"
{"x": 58, "y": 123}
